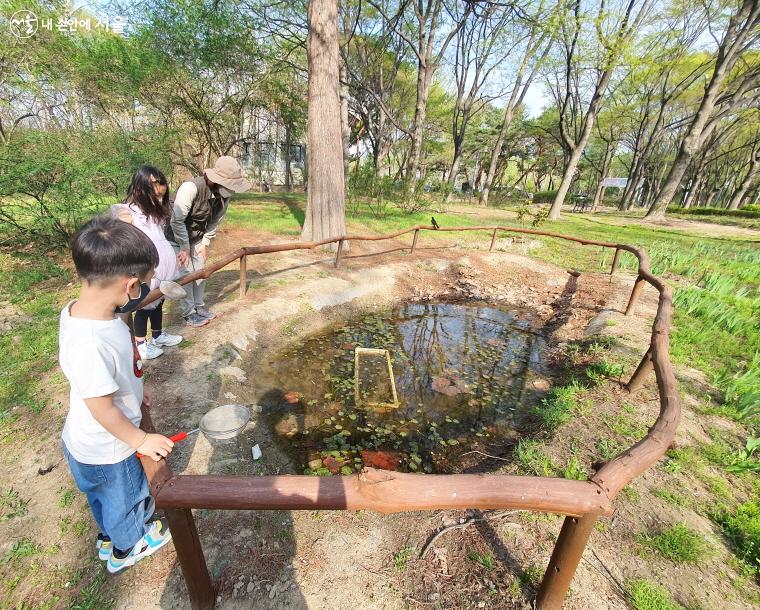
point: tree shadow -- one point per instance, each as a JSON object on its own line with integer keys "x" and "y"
{"x": 292, "y": 202}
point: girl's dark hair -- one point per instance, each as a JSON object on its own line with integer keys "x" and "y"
{"x": 142, "y": 195}
{"x": 106, "y": 248}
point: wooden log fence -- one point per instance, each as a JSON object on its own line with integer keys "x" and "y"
{"x": 582, "y": 502}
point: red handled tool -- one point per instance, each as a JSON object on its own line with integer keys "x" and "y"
{"x": 180, "y": 436}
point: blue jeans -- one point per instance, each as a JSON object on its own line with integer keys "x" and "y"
{"x": 118, "y": 495}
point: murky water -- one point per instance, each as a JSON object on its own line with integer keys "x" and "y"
{"x": 459, "y": 373}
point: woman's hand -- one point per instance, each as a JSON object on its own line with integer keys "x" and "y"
{"x": 156, "y": 446}
{"x": 200, "y": 251}
{"x": 182, "y": 258}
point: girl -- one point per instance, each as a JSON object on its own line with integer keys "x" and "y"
{"x": 147, "y": 208}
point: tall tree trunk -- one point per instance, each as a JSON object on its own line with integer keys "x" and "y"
{"x": 515, "y": 99}
{"x": 738, "y": 195}
{"x": 288, "y": 173}
{"x": 344, "y": 128}
{"x": 325, "y": 210}
{"x": 740, "y": 27}
{"x": 418, "y": 127}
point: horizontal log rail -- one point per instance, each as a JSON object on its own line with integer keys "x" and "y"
{"x": 582, "y": 502}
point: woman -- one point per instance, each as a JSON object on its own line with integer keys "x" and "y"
{"x": 147, "y": 208}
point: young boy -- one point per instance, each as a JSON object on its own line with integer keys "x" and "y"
{"x": 114, "y": 261}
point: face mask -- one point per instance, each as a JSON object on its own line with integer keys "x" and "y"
{"x": 132, "y": 304}
{"x": 225, "y": 193}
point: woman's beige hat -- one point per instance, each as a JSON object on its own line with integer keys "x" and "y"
{"x": 228, "y": 173}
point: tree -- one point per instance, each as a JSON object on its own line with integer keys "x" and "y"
{"x": 325, "y": 210}
{"x": 420, "y": 31}
{"x": 612, "y": 37}
{"x": 479, "y": 50}
{"x": 726, "y": 90}
{"x": 536, "y": 45}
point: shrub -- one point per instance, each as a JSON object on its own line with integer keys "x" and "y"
{"x": 544, "y": 196}
{"x": 52, "y": 181}
{"x": 745, "y": 212}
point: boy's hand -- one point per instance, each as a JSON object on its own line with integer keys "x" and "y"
{"x": 156, "y": 446}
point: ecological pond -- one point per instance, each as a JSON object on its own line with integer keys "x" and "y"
{"x": 410, "y": 389}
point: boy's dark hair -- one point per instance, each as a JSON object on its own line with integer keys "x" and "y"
{"x": 106, "y": 248}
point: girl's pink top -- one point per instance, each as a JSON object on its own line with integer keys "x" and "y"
{"x": 167, "y": 268}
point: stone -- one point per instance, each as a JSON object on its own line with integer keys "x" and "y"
{"x": 450, "y": 386}
{"x": 249, "y": 589}
{"x": 233, "y": 371}
{"x": 230, "y": 396}
{"x": 333, "y": 465}
{"x": 385, "y": 460}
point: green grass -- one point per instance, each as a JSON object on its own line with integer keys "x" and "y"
{"x": 643, "y": 594}
{"x": 677, "y": 543}
{"x": 742, "y": 527}
{"x": 484, "y": 559}
{"x": 671, "y": 497}
{"x": 532, "y": 458}
{"x": 33, "y": 287}
{"x": 12, "y": 505}
{"x": 401, "y": 558}
{"x": 574, "y": 470}
{"x": 560, "y": 405}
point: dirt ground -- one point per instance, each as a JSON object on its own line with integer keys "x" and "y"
{"x": 342, "y": 560}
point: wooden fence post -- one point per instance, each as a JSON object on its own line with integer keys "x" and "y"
{"x": 493, "y": 241}
{"x": 640, "y": 374}
{"x": 243, "y": 273}
{"x": 615, "y": 261}
{"x": 338, "y": 253}
{"x": 414, "y": 241}
{"x": 565, "y": 558}
{"x": 200, "y": 588}
{"x": 637, "y": 286}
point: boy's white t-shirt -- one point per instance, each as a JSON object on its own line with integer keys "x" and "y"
{"x": 98, "y": 358}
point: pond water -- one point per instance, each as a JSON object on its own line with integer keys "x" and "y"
{"x": 459, "y": 371}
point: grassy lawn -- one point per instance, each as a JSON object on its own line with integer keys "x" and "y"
{"x": 717, "y": 297}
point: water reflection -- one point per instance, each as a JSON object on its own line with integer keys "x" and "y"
{"x": 460, "y": 375}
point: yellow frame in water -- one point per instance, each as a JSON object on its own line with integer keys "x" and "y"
{"x": 369, "y": 351}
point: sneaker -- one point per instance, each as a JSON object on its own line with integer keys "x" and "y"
{"x": 204, "y": 312}
{"x": 167, "y": 340}
{"x": 158, "y": 535}
{"x": 195, "y": 320}
{"x": 104, "y": 546}
{"x": 148, "y": 350}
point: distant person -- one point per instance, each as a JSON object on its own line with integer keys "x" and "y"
{"x": 147, "y": 207}
{"x": 114, "y": 261}
{"x": 198, "y": 207}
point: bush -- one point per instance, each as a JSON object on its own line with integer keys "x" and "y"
{"x": 544, "y": 196}
{"x": 748, "y": 211}
{"x": 379, "y": 191}
{"x": 52, "y": 181}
